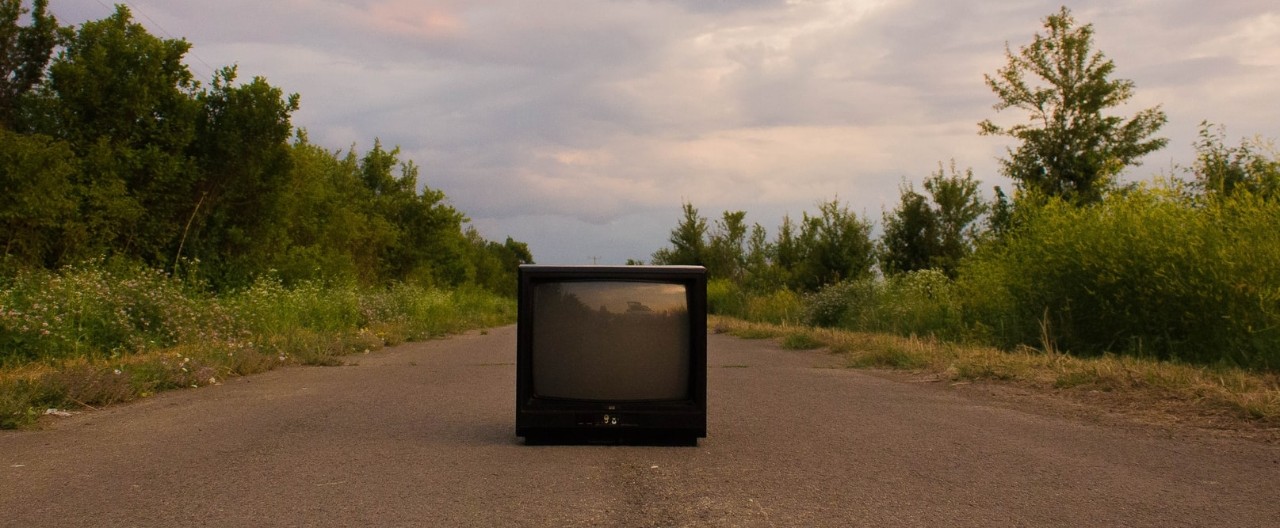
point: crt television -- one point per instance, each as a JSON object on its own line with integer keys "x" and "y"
{"x": 611, "y": 354}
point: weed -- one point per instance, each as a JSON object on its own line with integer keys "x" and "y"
{"x": 99, "y": 333}
{"x": 801, "y": 340}
{"x": 1250, "y": 395}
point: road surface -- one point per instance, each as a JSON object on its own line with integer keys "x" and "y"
{"x": 423, "y": 435}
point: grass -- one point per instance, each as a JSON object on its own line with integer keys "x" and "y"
{"x": 1209, "y": 391}
{"x": 87, "y": 337}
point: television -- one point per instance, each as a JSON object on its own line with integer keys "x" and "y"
{"x": 611, "y": 354}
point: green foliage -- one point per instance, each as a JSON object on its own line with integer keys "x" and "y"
{"x": 725, "y": 249}
{"x": 725, "y": 297}
{"x": 1143, "y": 273}
{"x": 933, "y": 233}
{"x": 1221, "y": 171}
{"x": 243, "y": 160}
{"x": 829, "y": 247}
{"x": 910, "y": 239}
{"x": 108, "y": 331}
{"x": 494, "y": 263}
{"x": 1068, "y": 147}
{"x": 957, "y": 206}
{"x": 780, "y": 306}
{"x": 922, "y": 302}
{"x": 688, "y": 243}
{"x": 96, "y": 309}
{"x": 124, "y": 101}
{"x": 35, "y": 173}
{"x": 835, "y": 244}
{"x": 840, "y": 302}
{"x": 25, "y": 50}
{"x": 121, "y": 152}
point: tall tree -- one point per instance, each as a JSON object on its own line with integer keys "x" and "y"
{"x": 242, "y": 153}
{"x": 688, "y": 240}
{"x": 957, "y": 205}
{"x": 836, "y": 245}
{"x": 760, "y": 273}
{"x": 1068, "y": 148}
{"x": 787, "y": 252}
{"x": 35, "y": 173}
{"x": 726, "y": 254}
{"x": 933, "y": 232}
{"x": 24, "y": 53}
{"x": 126, "y": 104}
{"x": 1220, "y": 171}
{"x": 910, "y": 239}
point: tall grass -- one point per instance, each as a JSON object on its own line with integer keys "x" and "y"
{"x": 1208, "y": 390}
{"x": 724, "y": 297}
{"x": 103, "y": 332}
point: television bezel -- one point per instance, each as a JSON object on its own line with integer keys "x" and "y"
{"x": 558, "y": 420}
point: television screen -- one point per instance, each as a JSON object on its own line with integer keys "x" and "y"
{"x": 611, "y": 353}
{"x": 611, "y": 341}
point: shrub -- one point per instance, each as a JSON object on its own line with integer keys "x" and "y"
{"x": 1146, "y": 272}
{"x": 845, "y": 303}
{"x": 104, "y": 332}
{"x": 725, "y": 297}
{"x": 921, "y": 302}
{"x": 94, "y": 308}
{"x": 780, "y": 306}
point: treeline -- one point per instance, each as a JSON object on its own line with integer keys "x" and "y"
{"x": 1185, "y": 268}
{"x": 110, "y": 147}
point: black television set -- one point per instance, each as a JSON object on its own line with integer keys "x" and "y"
{"x": 611, "y": 354}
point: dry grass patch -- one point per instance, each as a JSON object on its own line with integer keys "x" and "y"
{"x": 1116, "y": 381}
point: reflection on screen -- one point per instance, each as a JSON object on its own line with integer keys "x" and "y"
{"x": 611, "y": 340}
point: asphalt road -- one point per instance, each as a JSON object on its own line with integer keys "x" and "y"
{"x": 423, "y": 435}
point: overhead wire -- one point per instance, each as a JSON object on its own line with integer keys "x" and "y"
{"x": 157, "y": 26}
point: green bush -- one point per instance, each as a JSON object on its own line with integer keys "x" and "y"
{"x": 846, "y": 303}
{"x": 101, "y": 309}
{"x": 95, "y": 308}
{"x": 1146, "y": 272}
{"x": 725, "y": 297}
{"x": 920, "y": 302}
{"x": 780, "y": 306}
{"x": 104, "y": 332}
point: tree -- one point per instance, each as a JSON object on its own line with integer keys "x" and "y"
{"x": 35, "y": 173}
{"x": 726, "y": 256}
{"x": 910, "y": 239}
{"x": 125, "y": 102}
{"x": 957, "y": 207}
{"x": 836, "y": 245}
{"x": 1221, "y": 171}
{"x": 787, "y": 251}
{"x": 241, "y": 149}
{"x": 688, "y": 245}
{"x": 24, "y": 53}
{"x": 1068, "y": 148}
{"x": 760, "y": 274}
{"x": 934, "y": 232}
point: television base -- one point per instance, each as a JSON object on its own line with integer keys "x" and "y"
{"x": 632, "y": 438}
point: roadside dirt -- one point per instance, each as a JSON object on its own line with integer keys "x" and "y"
{"x": 1128, "y": 409}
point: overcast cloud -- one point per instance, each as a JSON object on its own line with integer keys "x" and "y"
{"x": 581, "y": 126}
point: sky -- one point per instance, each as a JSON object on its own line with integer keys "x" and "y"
{"x": 581, "y": 127}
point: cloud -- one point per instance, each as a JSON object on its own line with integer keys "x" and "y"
{"x": 585, "y": 124}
